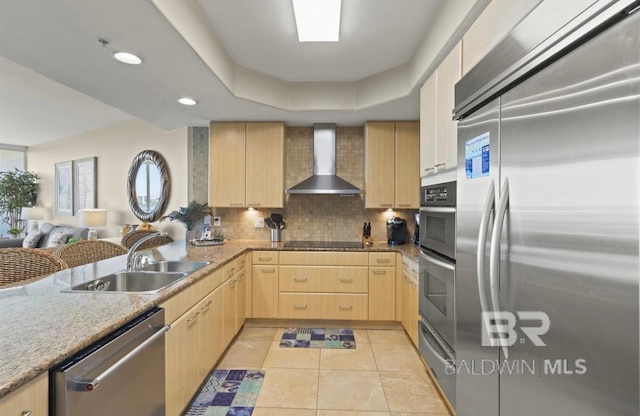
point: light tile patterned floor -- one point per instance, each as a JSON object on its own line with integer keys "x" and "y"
{"x": 383, "y": 376}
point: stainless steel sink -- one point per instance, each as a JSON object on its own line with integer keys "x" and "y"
{"x": 175, "y": 266}
{"x": 138, "y": 282}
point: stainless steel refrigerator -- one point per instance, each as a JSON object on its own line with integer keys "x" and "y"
{"x": 547, "y": 274}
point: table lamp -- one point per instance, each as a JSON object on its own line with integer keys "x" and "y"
{"x": 33, "y": 214}
{"x": 93, "y": 218}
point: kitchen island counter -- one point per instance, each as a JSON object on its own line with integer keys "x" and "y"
{"x": 41, "y": 326}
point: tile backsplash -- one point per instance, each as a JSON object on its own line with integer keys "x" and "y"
{"x": 311, "y": 217}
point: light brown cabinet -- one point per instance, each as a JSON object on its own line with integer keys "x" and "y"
{"x": 30, "y": 399}
{"x": 246, "y": 164}
{"x": 382, "y": 286}
{"x": 409, "y": 298}
{"x": 185, "y": 360}
{"x": 337, "y": 285}
{"x": 392, "y": 162}
{"x": 438, "y": 131}
{"x": 265, "y": 284}
{"x": 195, "y": 341}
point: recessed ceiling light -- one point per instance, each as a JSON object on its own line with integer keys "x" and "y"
{"x": 317, "y": 20}
{"x": 127, "y": 58}
{"x": 187, "y": 101}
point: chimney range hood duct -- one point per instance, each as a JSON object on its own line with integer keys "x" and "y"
{"x": 324, "y": 180}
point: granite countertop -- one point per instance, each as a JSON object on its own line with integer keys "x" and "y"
{"x": 41, "y": 326}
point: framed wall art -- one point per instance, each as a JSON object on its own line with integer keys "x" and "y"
{"x": 84, "y": 184}
{"x": 64, "y": 188}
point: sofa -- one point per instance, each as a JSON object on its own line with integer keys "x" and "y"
{"x": 51, "y": 235}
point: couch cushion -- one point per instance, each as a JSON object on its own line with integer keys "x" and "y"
{"x": 31, "y": 240}
{"x": 57, "y": 239}
{"x": 47, "y": 229}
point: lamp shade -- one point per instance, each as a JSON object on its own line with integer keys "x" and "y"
{"x": 93, "y": 217}
{"x": 32, "y": 213}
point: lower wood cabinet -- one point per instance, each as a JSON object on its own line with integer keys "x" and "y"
{"x": 264, "y": 284}
{"x": 31, "y": 399}
{"x": 193, "y": 346}
{"x": 382, "y": 286}
{"x": 409, "y": 299}
{"x": 229, "y": 291}
{"x": 324, "y": 306}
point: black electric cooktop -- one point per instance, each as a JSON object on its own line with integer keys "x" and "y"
{"x": 323, "y": 244}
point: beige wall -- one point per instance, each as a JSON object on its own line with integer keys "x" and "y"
{"x": 115, "y": 147}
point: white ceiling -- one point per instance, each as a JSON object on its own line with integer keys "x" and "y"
{"x": 239, "y": 58}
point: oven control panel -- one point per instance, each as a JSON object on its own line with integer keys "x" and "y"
{"x": 443, "y": 194}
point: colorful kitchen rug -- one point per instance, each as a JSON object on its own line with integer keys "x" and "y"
{"x": 227, "y": 393}
{"x": 318, "y": 338}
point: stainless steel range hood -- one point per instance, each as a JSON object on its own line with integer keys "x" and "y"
{"x": 324, "y": 179}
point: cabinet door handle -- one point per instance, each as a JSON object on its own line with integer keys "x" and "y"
{"x": 404, "y": 205}
{"x": 346, "y": 280}
{"x": 264, "y": 258}
{"x": 386, "y": 205}
{"x": 272, "y": 270}
{"x": 300, "y": 307}
{"x": 206, "y": 305}
{"x": 300, "y": 279}
{"x": 382, "y": 261}
{"x": 430, "y": 169}
{"x": 443, "y": 165}
{"x": 236, "y": 204}
{"x": 194, "y": 317}
{"x": 26, "y": 413}
{"x": 346, "y": 307}
{"x": 231, "y": 271}
{"x": 379, "y": 272}
{"x": 253, "y": 204}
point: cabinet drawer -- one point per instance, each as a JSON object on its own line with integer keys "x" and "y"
{"x": 33, "y": 397}
{"x": 324, "y": 279}
{"x": 323, "y": 306}
{"x": 186, "y": 299}
{"x": 387, "y": 259}
{"x": 323, "y": 258}
{"x": 234, "y": 266}
{"x": 265, "y": 257}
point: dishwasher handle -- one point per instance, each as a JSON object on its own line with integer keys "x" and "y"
{"x": 93, "y": 384}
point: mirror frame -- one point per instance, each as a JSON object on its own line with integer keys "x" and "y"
{"x": 165, "y": 183}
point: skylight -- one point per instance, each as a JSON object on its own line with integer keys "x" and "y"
{"x": 317, "y": 20}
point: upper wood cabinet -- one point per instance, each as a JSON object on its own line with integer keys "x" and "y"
{"x": 438, "y": 130}
{"x": 391, "y": 164}
{"x": 246, "y": 165}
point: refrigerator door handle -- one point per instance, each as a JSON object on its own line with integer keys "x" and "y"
{"x": 489, "y": 205}
{"x": 494, "y": 257}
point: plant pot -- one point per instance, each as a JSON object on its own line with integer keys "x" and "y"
{"x": 14, "y": 236}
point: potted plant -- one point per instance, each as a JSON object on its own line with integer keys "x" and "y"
{"x": 189, "y": 216}
{"x": 18, "y": 189}
{"x": 15, "y": 232}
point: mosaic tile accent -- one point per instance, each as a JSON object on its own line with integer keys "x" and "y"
{"x": 227, "y": 392}
{"x": 343, "y": 338}
{"x": 200, "y": 164}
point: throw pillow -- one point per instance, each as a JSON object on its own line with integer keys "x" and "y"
{"x": 31, "y": 240}
{"x": 57, "y": 240}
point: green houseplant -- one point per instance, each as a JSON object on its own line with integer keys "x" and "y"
{"x": 18, "y": 189}
{"x": 189, "y": 216}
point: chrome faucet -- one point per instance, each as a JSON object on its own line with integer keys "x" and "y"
{"x": 131, "y": 255}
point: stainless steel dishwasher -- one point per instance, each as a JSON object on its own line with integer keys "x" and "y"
{"x": 121, "y": 374}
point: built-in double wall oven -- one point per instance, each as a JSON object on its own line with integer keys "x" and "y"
{"x": 437, "y": 283}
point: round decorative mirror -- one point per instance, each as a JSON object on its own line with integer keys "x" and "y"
{"x": 148, "y": 186}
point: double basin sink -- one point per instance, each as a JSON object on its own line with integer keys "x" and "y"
{"x": 148, "y": 279}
